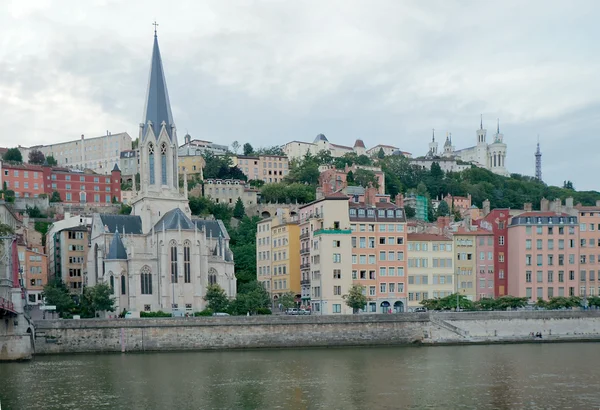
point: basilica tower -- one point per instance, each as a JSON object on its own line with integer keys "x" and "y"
{"x": 159, "y": 176}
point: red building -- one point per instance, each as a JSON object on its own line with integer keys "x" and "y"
{"x": 30, "y": 181}
{"x": 497, "y": 222}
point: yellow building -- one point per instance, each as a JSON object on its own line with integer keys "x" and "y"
{"x": 430, "y": 268}
{"x": 192, "y": 164}
{"x": 278, "y": 255}
{"x": 465, "y": 264}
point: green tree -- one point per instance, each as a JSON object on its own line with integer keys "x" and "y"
{"x": 125, "y": 209}
{"x": 56, "y": 294}
{"x": 34, "y": 212}
{"x": 251, "y": 297}
{"x": 443, "y": 209}
{"x": 366, "y": 178}
{"x": 239, "y": 210}
{"x": 381, "y": 154}
{"x": 248, "y": 150}
{"x": 288, "y": 300}
{"x": 6, "y": 230}
{"x": 36, "y": 157}
{"x": 97, "y": 298}
{"x": 568, "y": 185}
{"x": 409, "y": 211}
{"x": 274, "y": 150}
{"x": 13, "y": 155}
{"x": 216, "y": 298}
{"x": 243, "y": 246}
{"x": 55, "y": 197}
{"x": 200, "y": 206}
{"x": 356, "y": 298}
{"x": 235, "y": 147}
{"x": 50, "y": 160}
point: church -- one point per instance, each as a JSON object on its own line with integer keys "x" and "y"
{"x": 159, "y": 257}
{"x": 489, "y": 156}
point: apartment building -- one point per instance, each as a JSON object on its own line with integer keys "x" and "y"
{"x": 420, "y": 204}
{"x": 544, "y": 255}
{"x": 191, "y": 164}
{"x": 227, "y": 191}
{"x": 379, "y": 254}
{"x": 278, "y": 255}
{"x": 27, "y": 181}
{"x": 330, "y": 257}
{"x": 474, "y": 262}
{"x": 33, "y": 264}
{"x": 99, "y": 154}
{"x": 430, "y": 268}
{"x": 268, "y": 168}
{"x": 199, "y": 147}
{"x": 497, "y": 222}
{"x": 589, "y": 249}
{"x": 129, "y": 163}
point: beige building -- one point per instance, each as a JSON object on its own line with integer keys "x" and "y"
{"x": 325, "y": 228}
{"x": 465, "y": 264}
{"x": 227, "y": 191}
{"x": 99, "y": 153}
{"x": 278, "y": 255}
{"x": 430, "y": 268}
{"x": 267, "y": 168}
{"x": 191, "y": 164}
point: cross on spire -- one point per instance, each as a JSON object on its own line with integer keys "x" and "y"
{"x": 155, "y": 24}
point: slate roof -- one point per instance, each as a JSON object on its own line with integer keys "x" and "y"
{"x": 117, "y": 249}
{"x": 213, "y": 228}
{"x": 131, "y": 223}
{"x": 174, "y": 219}
{"x": 158, "y": 107}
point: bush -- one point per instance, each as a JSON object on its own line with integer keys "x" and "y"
{"x": 263, "y": 311}
{"x": 205, "y": 312}
{"x": 160, "y": 313}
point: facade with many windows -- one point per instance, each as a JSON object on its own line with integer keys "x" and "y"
{"x": 589, "y": 249}
{"x": 266, "y": 168}
{"x": 544, "y": 253}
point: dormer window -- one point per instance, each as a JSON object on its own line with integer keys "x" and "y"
{"x": 370, "y": 213}
{"x": 361, "y": 212}
{"x": 352, "y": 212}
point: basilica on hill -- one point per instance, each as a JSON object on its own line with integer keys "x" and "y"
{"x": 159, "y": 257}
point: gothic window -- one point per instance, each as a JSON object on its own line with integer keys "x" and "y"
{"x": 123, "y": 284}
{"x": 151, "y": 162}
{"x": 146, "y": 280}
{"x": 173, "y": 247}
{"x": 212, "y": 276}
{"x": 96, "y": 261}
{"x": 186, "y": 262}
{"x": 163, "y": 163}
{"x": 112, "y": 283}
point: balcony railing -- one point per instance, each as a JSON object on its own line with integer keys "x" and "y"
{"x": 304, "y": 251}
{"x": 305, "y": 266}
{"x": 305, "y": 282}
{"x": 332, "y": 232}
{"x": 304, "y": 235}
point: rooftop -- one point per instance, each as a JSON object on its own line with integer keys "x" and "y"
{"x": 427, "y": 237}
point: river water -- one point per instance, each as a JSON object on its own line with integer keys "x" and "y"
{"x": 527, "y": 376}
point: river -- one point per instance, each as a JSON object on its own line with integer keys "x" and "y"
{"x": 531, "y": 376}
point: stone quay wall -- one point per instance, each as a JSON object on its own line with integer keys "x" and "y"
{"x": 206, "y": 333}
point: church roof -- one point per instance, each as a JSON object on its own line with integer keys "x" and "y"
{"x": 129, "y": 223}
{"x": 116, "y": 167}
{"x": 174, "y": 219}
{"x": 158, "y": 107}
{"x": 320, "y": 137}
{"x": 359, "y": 144}
{"x": 117, "y": 249}
{"x": 213, "y": 228}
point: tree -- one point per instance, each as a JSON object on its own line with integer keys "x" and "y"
{"x": 235, "y": 146}
{"x": 366, "y": 178}
{"x": 443, "y": 209}
{"x": 55, "y": 197}
{"x": 98, "y": 298}
{"x": 288, "y": 300}
{"x": 50, "y": 160}
{"x": 239, "y": 210}
{"x": 356, "y": 297}
{"x": 34, "y": 212}
{"x": 216, "y": 298}
{"x": 125, "y": 209}
{"x": 251, "y": 297}
{"x": 568, "y": 185}
{"x": 248, "y": 150}
{"x": 381, "y": 154}
{"x": 243, "y": 246}
{"x": 36, "y": 157}
{"x": 274, "y": 150}
{"x": 56, "y": 294}
{"x": 6, "y": 230}
{"x": 409, "y": 211}
{"x": 14, "y": 155}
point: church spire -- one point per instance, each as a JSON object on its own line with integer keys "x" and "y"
{"x": 480, "y": 121}
{"x": 157, "y": 108}
{"x": 498, "y": 129}
{"x": 433, "y": 136}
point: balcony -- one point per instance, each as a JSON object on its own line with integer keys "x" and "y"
{"x": 305, "y": 266}
{"x": 332, "y": 232}
{"x": 304, "y": 235}
{"x": 304, "y": 251}
{"x": 305, "y": 282}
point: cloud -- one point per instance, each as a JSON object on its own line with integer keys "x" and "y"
{"x": 268, "y": 72}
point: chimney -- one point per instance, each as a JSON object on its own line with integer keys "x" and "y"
{"x": 557, "y": 205}
{"x": 81, "y": 136}
{"x": 571, "y": 199}
{"x": 486, "y": 207}
{"x": 528, "y": 207}
{"x": 400, "y": 200}
{"x": 370, "y": 193}
{"x": 544, "y": 205}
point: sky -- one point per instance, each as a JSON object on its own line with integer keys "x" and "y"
{"x": 268, "y": 72}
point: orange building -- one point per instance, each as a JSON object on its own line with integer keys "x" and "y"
{"x": 34, "y": 271}
{"x": 27, "y": 181}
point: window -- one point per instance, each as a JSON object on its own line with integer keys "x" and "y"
{"x": 337, "y": 308}
{"x": 399, "y": 240}
{"x": 337, "y": 258}
{"x": 528, "y": 244}
{"x": 146, "y": 281}
{"x": 163, "y": 163}
{"x": 501, "y": 240}
{"x": 382, "y": 255}
{"x": 362, "y": 242}
{"x": 123, "y": 284}
{"x": 151, "y": 163}
{"x": 337, "y": 290}
{"x": 337, "y": 274}
{"x": 539, "y": 244}
{"x": 187, "y": 273}
{"x": 173, "y": 246}
{"x": 383, "y": 287}
{"x": 528, "y": 276}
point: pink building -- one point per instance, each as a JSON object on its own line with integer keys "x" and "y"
{"x": 544, "y": 255}
{"x": 589, "y": 249}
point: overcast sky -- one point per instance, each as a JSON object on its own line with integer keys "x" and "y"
{"x": 274, "y": 71}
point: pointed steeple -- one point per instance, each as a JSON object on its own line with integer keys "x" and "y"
{"x": 433, "y": 136}
{"x": 117, "y": 249}
{"x": 158, "y": 108}
{"x": 498, "y": 129}
{"x": 481, "y": 121}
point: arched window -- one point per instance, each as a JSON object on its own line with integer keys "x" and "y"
{"x": 123, "y": 284}
{"x": 151, "y": 162}
{"x": 112, "y": 283}
{"x": 187, "y": 273}
{"x": 96, "y": 261}
{"x": 212, "y": 276}
{"x": 146, "y": 280}
{"x": 163, "y": 163}
{"x": 173, "y": 247}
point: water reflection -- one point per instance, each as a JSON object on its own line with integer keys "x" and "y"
{"x": 482, "y": 377}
